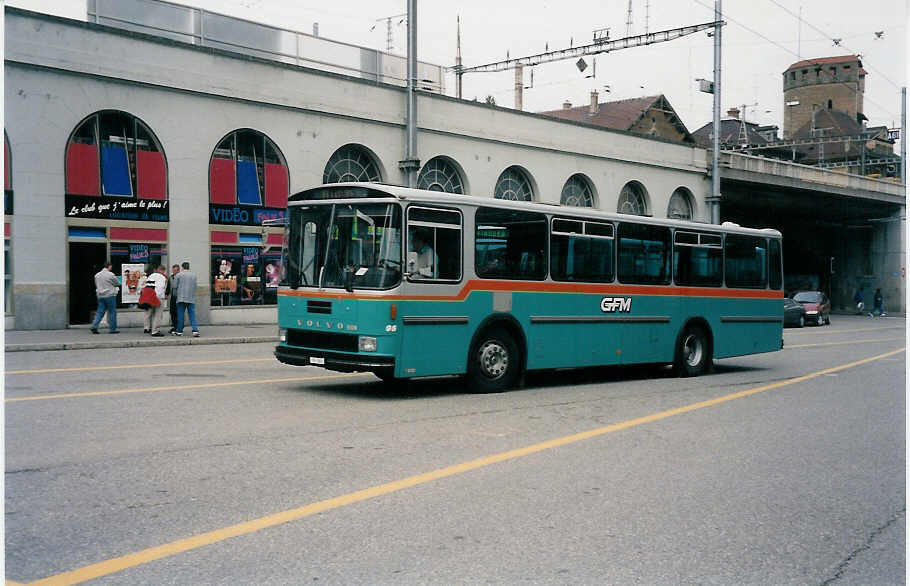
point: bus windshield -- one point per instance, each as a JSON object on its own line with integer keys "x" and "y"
{"x": 344, "y": 245}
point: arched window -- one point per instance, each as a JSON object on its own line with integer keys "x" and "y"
{"x": 577, "y": 192}
{"x": 681, "y": 205}
{"x": 113, "y": 153}
{"x": 248, "y": 183}
{"x": 351, "y": 162}
{"x": 440, "y": 174}
{"x": 633, "y": 199}
{"x": 514, "y": 184}
{"x": 248, "y": 169}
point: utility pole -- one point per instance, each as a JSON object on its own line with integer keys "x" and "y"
{"x": 629, "y": 20}
{"x": 388, "y": 29}
{"x": 904, "y": 135}
{"x": 458, "y": 58}
{"x": 647, "y": 14}
{"x": 519, "y": 85}
{"x": 714, "y": 199}
{"x": 411, "y": 164}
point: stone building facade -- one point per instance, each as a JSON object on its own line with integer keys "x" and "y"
{"x": 825, "y": 83}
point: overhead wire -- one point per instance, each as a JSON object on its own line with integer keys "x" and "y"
{"x": 830, "y": 38}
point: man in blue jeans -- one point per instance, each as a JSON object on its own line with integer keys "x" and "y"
{"x": 185, "y": 290}
{"x": 106, "y": 288}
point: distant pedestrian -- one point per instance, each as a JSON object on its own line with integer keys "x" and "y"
{"x": 878, "y": 304}
{"x": 106, "y": 288}
{"x": 171, "y": 293}
{"x": 185, "y": 284}
{"x": 158, "y": 281}
{"x": 858, "y": 301}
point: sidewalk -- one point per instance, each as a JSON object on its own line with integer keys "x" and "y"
{"x": 81, "y": 338}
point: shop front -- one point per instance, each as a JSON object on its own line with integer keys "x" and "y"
{"x": 116, "y": 209}
{"x": 248, "y": 184}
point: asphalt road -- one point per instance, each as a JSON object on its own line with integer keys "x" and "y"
{"x": 218, "y": 465}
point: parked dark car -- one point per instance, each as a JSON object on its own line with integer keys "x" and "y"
{"x": 794, "y": 313}
{"x": 817, "y": 306}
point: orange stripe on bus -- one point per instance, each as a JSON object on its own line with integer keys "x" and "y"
{"x": 547, "y": 287}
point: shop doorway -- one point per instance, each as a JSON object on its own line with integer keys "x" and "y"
{"x": 86, "y": 259}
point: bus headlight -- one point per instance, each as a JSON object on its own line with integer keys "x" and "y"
{"x": 282, "y": 334}
{"x": 367, "y": 344}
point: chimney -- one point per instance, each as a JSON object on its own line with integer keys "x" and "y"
{"x": 567, "y": 105}
{"x": 595, "y": 106}
{"x": 315, "y": 29}
{"x": 733, "y": 113}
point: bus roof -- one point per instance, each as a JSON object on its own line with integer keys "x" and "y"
{"x": 348, "y": 191}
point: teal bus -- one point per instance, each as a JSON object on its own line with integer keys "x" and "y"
{"x": 409, "y": 283}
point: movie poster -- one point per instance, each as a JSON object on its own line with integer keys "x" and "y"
{"x": 132, "y": 279}
{"x": 225, "y": 281}
{"x": 251, "y": 289}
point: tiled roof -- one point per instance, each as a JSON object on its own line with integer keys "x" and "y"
{"x": 833, "y": 122}
{"x": 825, "y": 61}
{"x": 619, "y": 115}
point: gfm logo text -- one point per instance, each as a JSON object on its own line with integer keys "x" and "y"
{"x": 616, "y": 304}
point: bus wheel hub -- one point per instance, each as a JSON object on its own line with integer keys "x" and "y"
{"x": 692, "y": 350}
{"x": 494, "y": 359}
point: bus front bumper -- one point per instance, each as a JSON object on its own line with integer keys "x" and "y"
{"x": 340, "y": 361}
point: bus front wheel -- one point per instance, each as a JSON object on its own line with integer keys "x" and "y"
{"x": 493, "y": 364}
{"x": 693, "y": 352}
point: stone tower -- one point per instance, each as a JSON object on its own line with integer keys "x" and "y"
{"x": 833, "y": 83}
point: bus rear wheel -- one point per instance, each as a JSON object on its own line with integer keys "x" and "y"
{"x": 494, "y": 363}
{"x": 693, "y": 352}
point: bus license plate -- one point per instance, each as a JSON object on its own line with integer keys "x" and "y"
{"x": 314, "y": 360}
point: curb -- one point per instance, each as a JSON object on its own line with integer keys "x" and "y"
{"x": 171, "y": 341}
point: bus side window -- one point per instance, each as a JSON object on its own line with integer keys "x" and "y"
{"x": 434, "y": 244}
{"x": 510, "y": 244}
{"x": 644, "y": 254}
{"x": 745, "y": 261}
{"x": 775, "y": 270}
{"x": 698, "y": 259}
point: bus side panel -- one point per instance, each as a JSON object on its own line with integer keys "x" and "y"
{"x": 434, "y": 340}
{"x": 551, "y": 343}
{"x": 559, "y": 336}
{"x": 651, "y": 339}
{"x": 735, "y": 335}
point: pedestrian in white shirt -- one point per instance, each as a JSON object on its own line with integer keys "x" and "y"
{"x": 158, "y": 280}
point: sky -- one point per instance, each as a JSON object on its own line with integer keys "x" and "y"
{"x": 761, "y": 40}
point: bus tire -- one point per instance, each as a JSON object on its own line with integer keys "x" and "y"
{"x": 693, "y": 352}
{"x": 494, "y": 363}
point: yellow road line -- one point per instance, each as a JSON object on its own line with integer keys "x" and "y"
{"x": 841, "y": 343}
{"x": 154, "y": 553}
{"x": 184, "y": 387}
{"x": 133, "y": 366}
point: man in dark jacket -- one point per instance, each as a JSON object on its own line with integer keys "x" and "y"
{"x": 185, "y": 289}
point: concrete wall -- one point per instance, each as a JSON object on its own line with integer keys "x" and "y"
{"x": 57, "y": 72}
